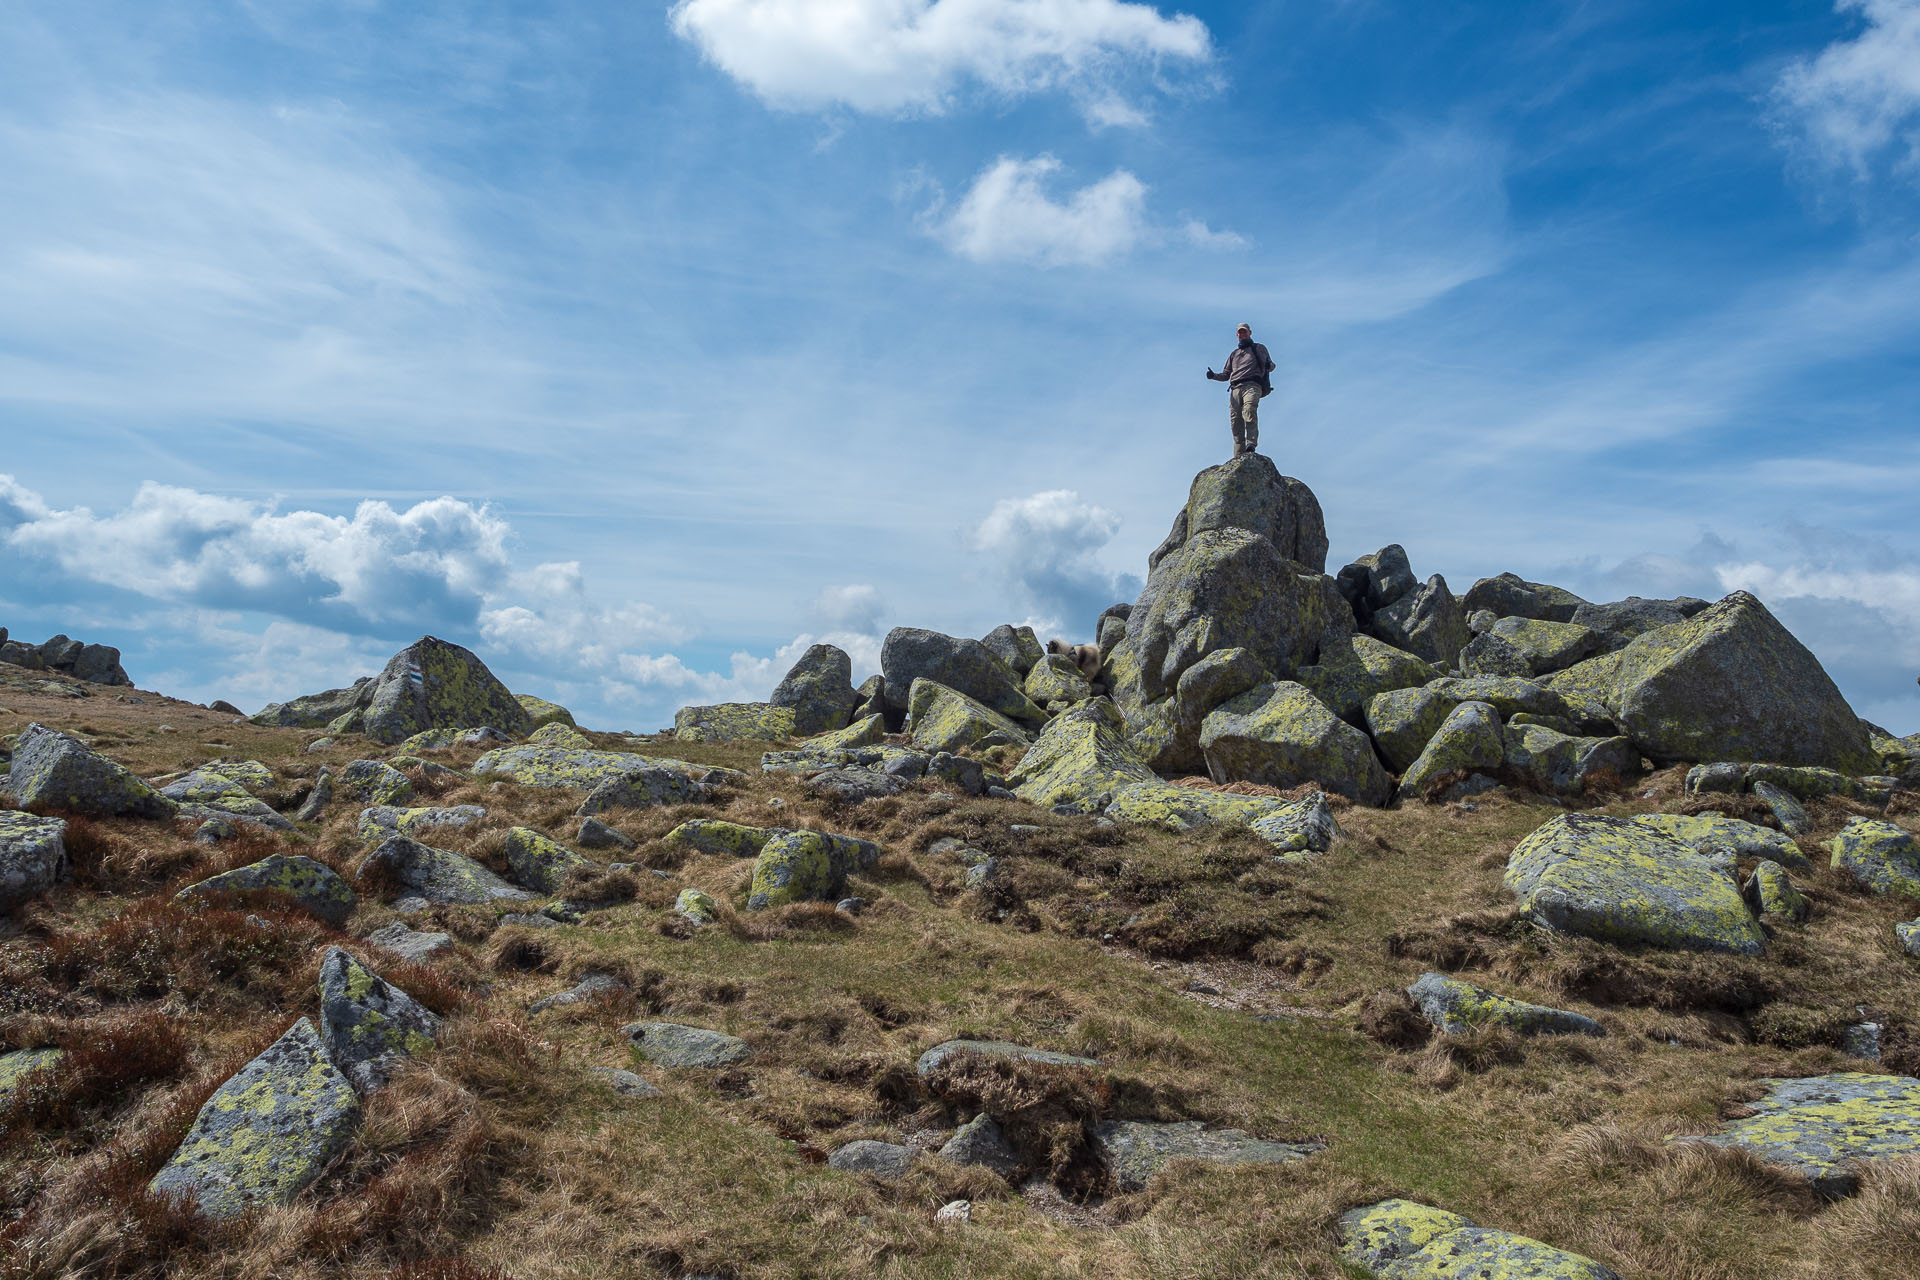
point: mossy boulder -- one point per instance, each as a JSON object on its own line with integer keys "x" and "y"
{"x": 943, "y": 719}
{"x": 1280, "y": 735}
{"x": 863, "y": 732}
{"x": 1303, "y": 827}
{"x": 434, "y": 684}
{"x": 1878, "y": 854}
{"x": 1403, "y": 721}
{"x": 1563, "y": 764}
{"x": 33, "y": 856}
{"x": 1823, "y": 1127}
{"x": 1353, "y": 670}
{"x": 963, "y": 665}
{"x": 1769, "y": 892}
{"x": 1402, "y": 1240}
{"x": 1511, "y": 596}
{"x": 1548, "y": 646}
{"x": 712, "y": 835}
{"x": 54, "y": 770}
{"x": 1250, "y": 493}
{"x": 315, "y": 710}
{"x": 539, "y": 862}
{"x": 1133, "y": 1151}
{"x": 1056, "y": 678}
{"x": 219, "y": 780}
{"x": 1162, "y": 804}
{"x": 1511, "y": 696}
{"x": 369, "y": 1026}
{"x": 374, "y": 782}
{"x": 555, "y": 734}
{"x": 541, "y": 712}
{"x": 377, "y": 822}
{"x": 267, "y": 1132}
{"x": 807, "y": 866}
{"x": 819, "y": 690}
{"x": 1617, "y": 881}
{"x": 1715, "y": 834}
{"x": 1730, "y": 683}
{"x": 735, "y": 722}
{"x": 1428, "y": 622}
{"x": 1080, "y": 758}
{"x": 535, "y": 765}
{"x": 317, "y": 888}
{"x": 1468, "y": 741}
{"x": 1018, "y": 647}
{"x": 1455, "y": 1007}
{"x": 438, "y": 875}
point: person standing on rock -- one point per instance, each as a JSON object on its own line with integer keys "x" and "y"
{"x": 1248, "y": 375}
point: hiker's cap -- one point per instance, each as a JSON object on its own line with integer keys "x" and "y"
{"x": 1246, "y": 326}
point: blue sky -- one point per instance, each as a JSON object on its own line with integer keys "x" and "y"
{"x": 637, "y": 345}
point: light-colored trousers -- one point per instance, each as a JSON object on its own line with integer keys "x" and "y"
{"x": 1243, "y": 413}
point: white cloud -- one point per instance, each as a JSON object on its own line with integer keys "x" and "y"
{"x": 1008, "y": 216}
{"x": 853, "y": 607}
{"x": 1202, "y": 236}
{"x": 895, "y": 57}
{"x": 1045, "y": 549}
{"x": 1860, "y": 98}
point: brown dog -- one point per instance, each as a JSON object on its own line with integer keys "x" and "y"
{"x": 1085, "y": 656}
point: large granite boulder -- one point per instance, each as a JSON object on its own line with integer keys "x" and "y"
{"x": 1427, "y": 622}
{"x": 315, "y": 710}
{"x": 943, "y": 719}
{"x": 1403, "y": 722}
{"x": 313, "y": 886}
{"x": 677, "y": 1046}
{"x": 1375, "y": 581}
{"x": 1402, "y": 1240}
{"x": 377, "y": 822}
{"x": 712, "y": 835}
{"x": 1824, "y": 1127}
{"x": 807, "y": 866}
{"x": 1081, "y": 758}
{"x": 438, "y": 875}
{"x": 1250, "y": 493}
{"x": 1469, "y": 741}
{"x": 819, "y": 690}
{"x": 1510, "y": 596}
{"x": 1566, "y": 764}
{"x": 1547, "y": 647}
{"x": 1617, "y": 881}
{"x": 543, "y": 712}
{"x": 966, "y": 666}
{"x": 1018, "y": 647}
{"x": 1717, "y": 835}
{"x": 53, "y": 770}
{"x": 538, "y": 862}
{"x": 1622, "y": 621}
{"x": 1879, "y": 855}
{"x": 33, "y": 856}
{"x": 735, "y": 722}
{"x": 1352, "y": 670}
{"x": 434, "y": 684}
{"x": 1729, "y": 683}
{"x": 1166, "y": 734}
{"x": 1280, "y": 735}
{"x": 534, "y": 765}
{"x": 369, "y": 1026}
{"x": 1057, "y": 678}
{"x": 267, "y": 1132}
{"x": 374, "y": 782}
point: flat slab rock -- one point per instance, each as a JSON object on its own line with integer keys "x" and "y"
{"x": 1402, "y": 1240}
{"x": 1618, "y": 881}
{"x": 1711, "y": 833}
{"x": 1455, "y": 1006}
{"x": 934, "y": 1058}
{"x": 669, "y": 1044}
{"x": 881, "y": 1159}
{"x": 1819, "y": 1126}
{"x": 409, "y": 944}
{"x": 1134, "y": 1150}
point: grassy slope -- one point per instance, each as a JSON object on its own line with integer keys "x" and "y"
{"x": 502, "y": 1150}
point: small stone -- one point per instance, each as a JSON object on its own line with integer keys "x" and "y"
{"x": 1787, "y": 811}
{"x": 981, "y": 1141}
{"x": 595, "y": 834}
{"x": 696, "y": 906}
{"x": 1861, "y": 1040}
{"x": 626, "y": 1083}
{"x": 954, "y": 1213}
{"x": 851, "y": 906}
{"x": 529, "y": 920}
{"x": 670, "y": 1044}
{"x": 369, "y": 1026}
{"x": 409, "y": 944}
{"x": 884, "y": 1160}
{"x": 588, "y": 987}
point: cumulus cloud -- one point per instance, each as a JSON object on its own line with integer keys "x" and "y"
{"x": 1009, "y": 216}
{"x": 855, "y": 607}
{"x": 897, "y": 57}
{"x": 1045, "y": 549}
{"x": 1859, "y": 99}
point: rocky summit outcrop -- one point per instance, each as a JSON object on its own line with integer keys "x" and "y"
{"x": 93, "y": 663}
{"x": 1729, "y": 683}
{"x": 430, "y": 684}
{"x": 1250, "y": 493}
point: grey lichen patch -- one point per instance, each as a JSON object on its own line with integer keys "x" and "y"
{"x": 374, "y": 782}
{"x": 1402, "y": 1240}
{"x": 1821, "y": 1126}
{"x": 33, "y": 856}
{"x": 1455, "y": 1007}
{"x": 369, "y": 1026}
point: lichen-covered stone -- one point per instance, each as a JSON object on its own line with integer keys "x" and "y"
{"x": 314, "y": 886}
{"x": 17, "y": 1065}
{"x": 433, "y": 684}
{"x": 1769, "y": 892}
{"x": 1821, "y": 1127}
{"x": 1403, "y": 721}
{"x": 369, "y": 1026}
{"x": 1457, "y": 1007}
{"x": 1807, "y": 782}
{"x": 1715, "y": 833}
{"x": 1469, "y": 740}
{"x": 645, "y": 789}
{"x": 1907, "y": 934}
{"x": 1617, "y": 881}
{"x": 1563, "y": 764}
{"x": 33, "y": 856}
{"x": 1056, "y": 678}
{"x": 1378, "y": 580}
{"x": 379, "y": 821}
{"x": 963, "y": 665}
{"x": 534, "y": 765}
{"x": 819, "y": 690}
{"x": 712, "y": 835}
{"x": 1548, "y": 646}
{"x": 1491, "y": 655}
{"x": 315, "y": 710}
{"x": 1511, "y": 696}
{"x": 1134, "y": 1150}
{"x": 863, "y": 732}
{"x": 885, "y": 1160}
{"x": 1080, "y": 758}
{"x": 219, "y": 779}
{"x": 1786, "y": 810}
{"x": 981, "y": 1141}
{"x": 1018, "y": 647}
{"x": 1162, "y": 804}
{"x": 373, "y": 782}
{"x": 1402, "y": 1240}
{"x": 1879, "y": 855}
{"x": 696, "y": 905}
{"x": 933, "y": 1058}
{"x": 438, "y": 875}
{"x": 53, "y": 770}
{"x": 1304, "y": 827}
{"x": 943, "y": 719}
{"x": 538, "y": 862}
{"x": 1622, "y": 621}
{"x": 1280, "y": 735}
{"x": 556, "y": 734}
{"x": 1166, "y": 734}
{"x": 1428, "y": 622}
{"x": 430, "y": 740}
{"x": 541, "y": 712}
{"x": 855, "y": 784}
{"x": 1731, "y": 683}
{"x": 267, "y": 1132}
{"x": 807, "y": 866}
{"x": 1250, "y": 493}
{"x": 409, "y": 944}
{"x": 1511, "y": 596}
{"x": 1353, "y": 670}
{"x": 671, "y": 1044}
{"x": 735, "y": 722}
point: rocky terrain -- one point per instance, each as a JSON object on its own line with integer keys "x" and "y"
{"x": 1326, "y": 925}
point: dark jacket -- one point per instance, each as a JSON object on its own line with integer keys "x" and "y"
{"x": 1248, "y": 364}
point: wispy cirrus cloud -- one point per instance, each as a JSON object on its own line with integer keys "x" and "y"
{"x": 1856, "y": 104}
